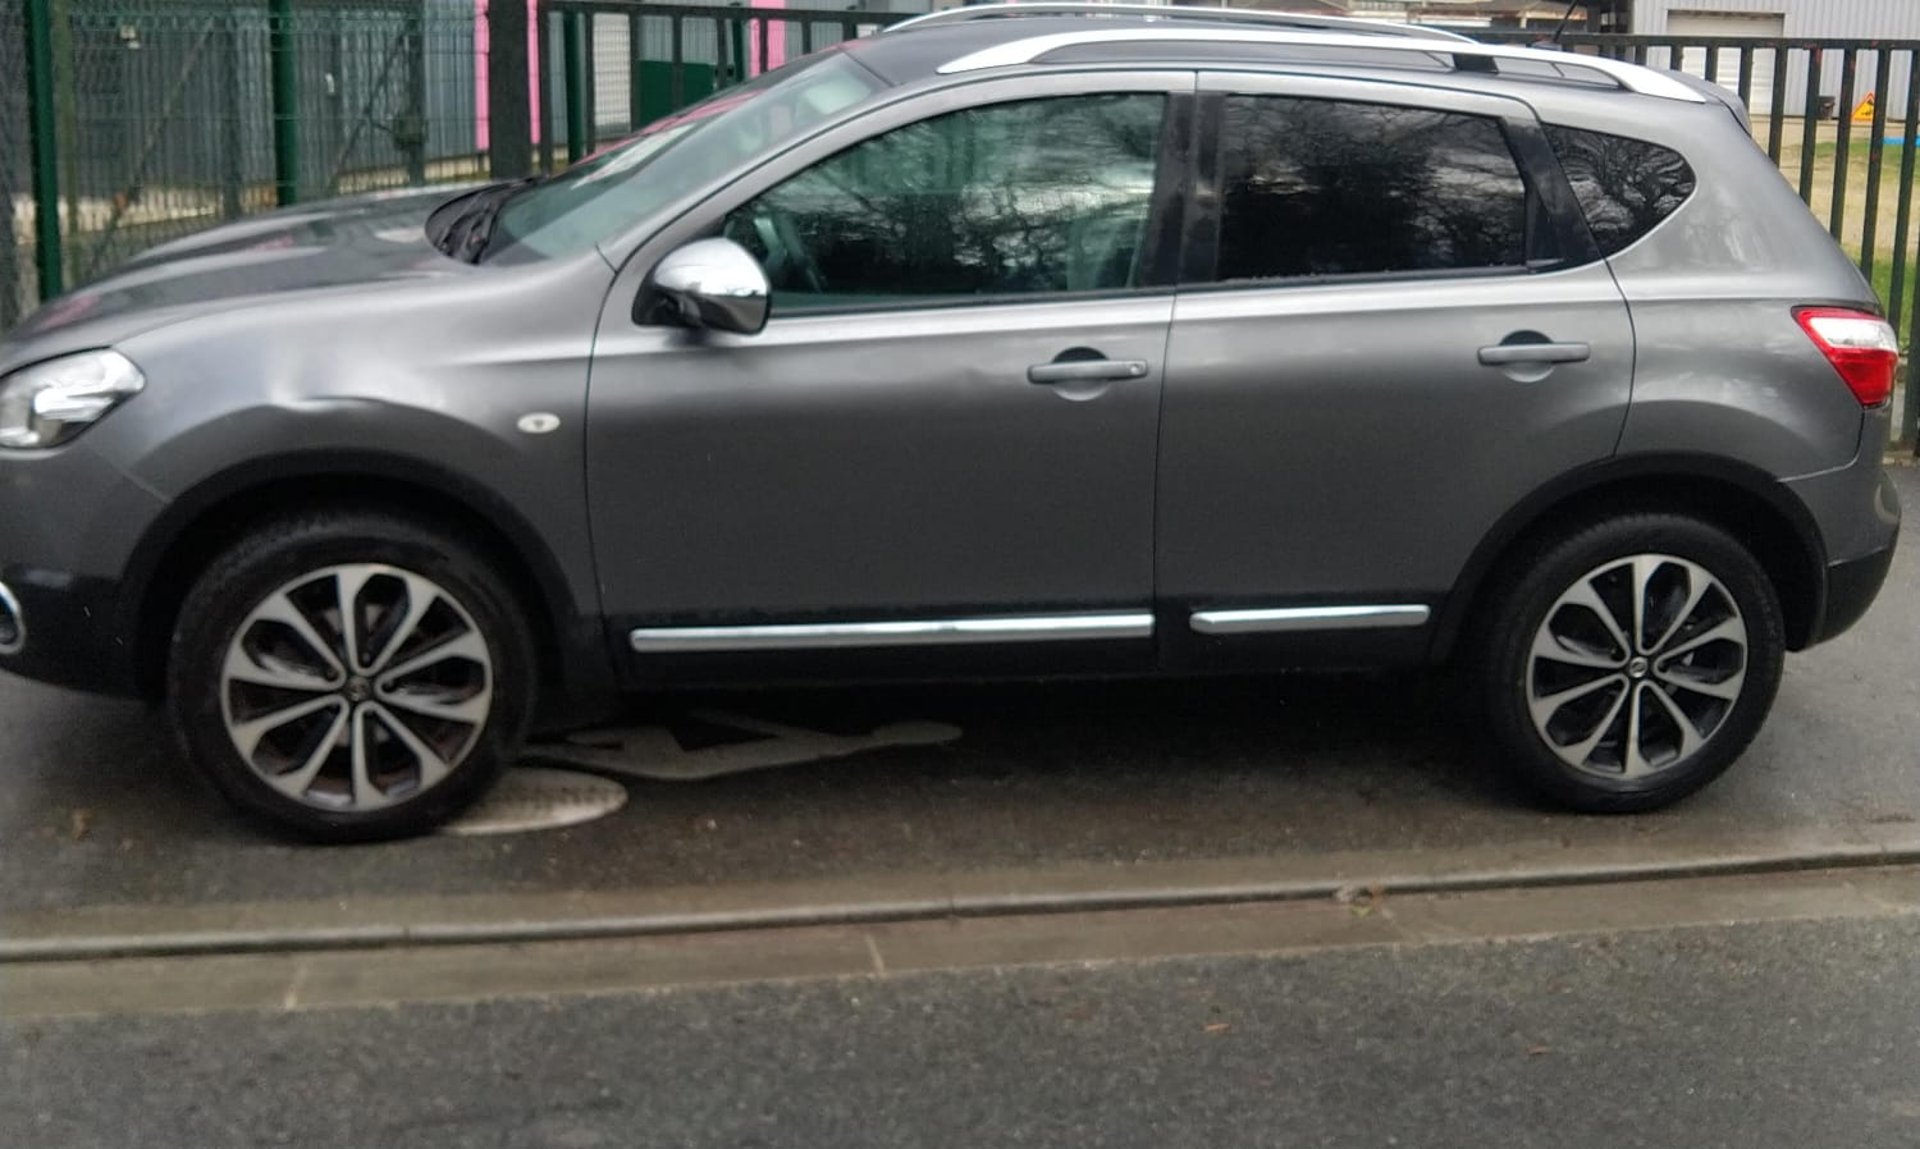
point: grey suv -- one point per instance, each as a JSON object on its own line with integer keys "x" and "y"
{"x": 1005, "y": 343}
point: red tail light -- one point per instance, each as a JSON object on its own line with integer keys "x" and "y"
{"x": 1861, "y": 346}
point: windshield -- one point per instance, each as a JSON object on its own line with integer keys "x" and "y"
{"x": 608, "y": 192}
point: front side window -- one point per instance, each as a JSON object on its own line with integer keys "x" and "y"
{"x": 1325, "y": 188}
{"x": 598, "y": 197}
{"x": 1040, "y": 196}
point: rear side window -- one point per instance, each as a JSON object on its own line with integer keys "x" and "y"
{"x": 1321, "y": 187}
{"x": 1625, "y": 186}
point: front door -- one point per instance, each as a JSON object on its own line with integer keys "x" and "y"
{"x": 942, "y": 444}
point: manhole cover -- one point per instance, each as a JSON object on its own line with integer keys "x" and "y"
{"x": 537, "y": 798}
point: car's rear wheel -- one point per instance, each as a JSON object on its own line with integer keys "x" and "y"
{"x": 350, "y": 675}
{"x": 1625, "y": 665}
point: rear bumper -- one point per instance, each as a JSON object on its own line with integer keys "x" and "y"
{"x": 66, "y": 631}
{"x": 1851, "y": 589}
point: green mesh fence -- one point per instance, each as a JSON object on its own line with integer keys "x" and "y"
{"x": 164, "y": 116}
{"x": 17, "y": 291}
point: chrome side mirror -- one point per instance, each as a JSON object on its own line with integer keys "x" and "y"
{"x": 714, "y": 285}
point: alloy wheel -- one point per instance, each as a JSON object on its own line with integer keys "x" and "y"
{"x": 1636, "y": 666}
{"x": 355, "y": 687}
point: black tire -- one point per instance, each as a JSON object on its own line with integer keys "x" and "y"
{"x": 279, "y": 554}
{"x": 1532, "y": 583}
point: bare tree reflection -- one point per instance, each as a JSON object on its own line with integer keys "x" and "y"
{"x": 1315, "y": 187}
{"x": 1626, "y": 186}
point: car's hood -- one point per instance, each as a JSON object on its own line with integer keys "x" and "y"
{"x": 338, "y": 243}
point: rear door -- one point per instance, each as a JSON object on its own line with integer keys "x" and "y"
{"x": 1396, "y": 330}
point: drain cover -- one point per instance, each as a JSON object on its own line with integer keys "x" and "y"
{"x": 536, "y": 798}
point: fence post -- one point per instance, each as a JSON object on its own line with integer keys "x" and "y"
{"x": 233, "y": 144}
{"x": 509, "y": 119}
{"x": 413, "y": 139}
{"x": 575, "y": 82}
{"x": 43, "y": 135}
{"x": 286, "y": 88}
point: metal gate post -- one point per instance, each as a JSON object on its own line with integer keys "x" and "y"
{"x": 413, "y": 140}
{"x": 573, "y": 69}
{"x": 286, "y": 89}
{"x": 509, "y": 116}
{"x": 43, "y": 136}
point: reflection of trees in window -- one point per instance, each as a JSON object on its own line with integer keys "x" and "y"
{"x": 1315, "y": 187}
{"x": 1043, "y": 195}
{"x": 1625, "y": 186}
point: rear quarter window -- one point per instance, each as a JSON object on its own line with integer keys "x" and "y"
{"x": 1625, "y": 186}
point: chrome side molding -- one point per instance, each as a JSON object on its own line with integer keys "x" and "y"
{"x": 902, "y": 632}
{"x": 1296, "y": 618}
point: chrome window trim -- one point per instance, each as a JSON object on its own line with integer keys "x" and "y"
{"x": 1632, "y": 77}
{"x": 899, "y": 632}
{"x": 1277, "y": 620}
{"x": 12, "y": 605}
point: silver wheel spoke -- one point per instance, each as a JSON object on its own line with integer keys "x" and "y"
{"x": 348, "y": 582}
{"x": 1548, "y": 645}
{"x": 420, "y": 599}
{"x": 1584, "y": 595}
{"x": 469, "y": 645}
{"x": 1635, "y": 762}
{"x": 280, "y": 609}
{"x": 247, "y": 735}
{"x": 1546, "y": 706}
{"x": 1732, "y": 630}
{"x": 1698, "y": 583}
{"x": 1727, "y": 690}
{"x": 294, "y": 784}
{"x": 279, "y": 675}
{"x": 1690, "y": 737}
{"x": 1580, "y": 751}
{"x": 470, "y": 711}
{"x": 1644, "y": 567}
{"x": 366, "y": 795}
{"x": 432, "y": 766}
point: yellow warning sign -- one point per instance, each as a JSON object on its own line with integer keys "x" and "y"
{"x": 1863, "y": 112}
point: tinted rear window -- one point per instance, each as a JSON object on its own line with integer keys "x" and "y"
{"x": 1318, "y": 187}
{"x": 1625, "y": 186}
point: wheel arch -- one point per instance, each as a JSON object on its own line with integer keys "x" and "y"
{"x": 196, "y": 527}
{"x": 1739, "y": 498}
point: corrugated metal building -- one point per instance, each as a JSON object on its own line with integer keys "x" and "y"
{"x": 1791, "y": 19}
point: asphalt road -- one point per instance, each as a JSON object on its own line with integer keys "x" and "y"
{"x": 1783, "y": 1034}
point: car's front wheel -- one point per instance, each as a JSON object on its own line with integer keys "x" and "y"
{"x": 1627, "y": 664}
{"x": 350, "y": 675}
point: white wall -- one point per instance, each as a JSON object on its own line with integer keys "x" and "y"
{"x": 1847, "y": 19}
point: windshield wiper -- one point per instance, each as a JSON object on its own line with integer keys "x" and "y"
{"x": 467, "y": 235}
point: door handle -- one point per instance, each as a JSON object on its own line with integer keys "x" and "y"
{"x": 1087, "y": 371}
{"x": 1507, "y": 354}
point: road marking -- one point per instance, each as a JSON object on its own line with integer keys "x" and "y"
{"x": 653, "y": 752}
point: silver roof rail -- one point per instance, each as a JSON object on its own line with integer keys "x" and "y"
{"x": 1249, "y": 16}
{"x": 1464, "y": 55}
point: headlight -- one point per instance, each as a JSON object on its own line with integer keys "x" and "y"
{"x": 48, "y": 403}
